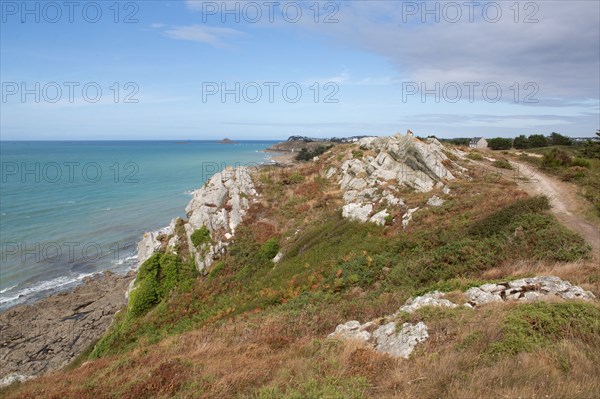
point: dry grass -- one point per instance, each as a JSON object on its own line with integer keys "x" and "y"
{"x": 243, "y": 356}
{"x": 283, "y": 351}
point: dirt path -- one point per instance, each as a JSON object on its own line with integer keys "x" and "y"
{"x": 566, "y": 204}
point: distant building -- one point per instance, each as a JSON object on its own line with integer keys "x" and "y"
{"x": 478, "y": 142}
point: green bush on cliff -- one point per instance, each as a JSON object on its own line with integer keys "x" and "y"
{"x": 156, "y": 278}
{"x": 269, "y": 249}
{"x": 200, "y": 236}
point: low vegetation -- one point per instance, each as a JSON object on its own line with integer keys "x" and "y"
{"x": 200, "y": 236}
{"x": 502, "y": 164}
{"x": 254, "y": 329}
{"x": 307, "y": 155}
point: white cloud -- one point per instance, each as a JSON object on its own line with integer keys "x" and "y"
{"x": 213, "y": 36}
{"x": 559, "y": 52}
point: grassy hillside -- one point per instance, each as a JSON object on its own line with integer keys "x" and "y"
{"x": 252, "y": 329}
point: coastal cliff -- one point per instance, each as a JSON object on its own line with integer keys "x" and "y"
{"x": 386, "y": 266}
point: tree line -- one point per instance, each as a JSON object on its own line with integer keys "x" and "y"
{"x": 531, "y": 141}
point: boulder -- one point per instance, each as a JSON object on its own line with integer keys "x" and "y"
{"x": 357, "y": 211}
{"x": 379, "y": 218}
{"x": 384, "y": 338}
{"x": 401, "y": 343}
{"x": 407, "y": 217}
{"x": 477, "y": 296}
{"x": 429, "y": 299}
{"x": 435, "y": 201}
{"x": 331, "y": 172}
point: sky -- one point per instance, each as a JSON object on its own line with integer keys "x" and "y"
{"x": 200, "y": 70}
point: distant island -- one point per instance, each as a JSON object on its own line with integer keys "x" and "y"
{"x": 226, "y": 141}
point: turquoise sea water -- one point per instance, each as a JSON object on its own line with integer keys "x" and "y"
{"x": 71, "y": 209}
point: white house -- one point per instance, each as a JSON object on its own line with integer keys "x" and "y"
{"x": 478, "y": 142}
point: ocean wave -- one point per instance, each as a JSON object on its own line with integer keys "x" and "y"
{"x": 7, "y": 289}
{"x": 127, "y": 259}
{"x": 28, "y": 292}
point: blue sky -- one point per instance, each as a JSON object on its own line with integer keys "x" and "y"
{"x": 372, "y": 58}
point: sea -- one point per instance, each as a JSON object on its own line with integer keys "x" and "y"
{"x": 70, "y": 209}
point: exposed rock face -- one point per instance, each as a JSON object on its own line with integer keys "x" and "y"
{"x": 384, "y": 338}
{"x": 277, "y": 257}
{"x": 435, "y": 201}
{"x": 47, "y": 335}
{"x": 407, "y": 217}
{"x": 430, "y": 299}
{"x": 220, "y": 206}
{"x": 356, "y": 211}
{"x": 379, "y": 218}
{"x": 404, "y": 160}
{"x": 527, "y": 289}
{"x": 411, "y": 162}
{"x": 400, "y": 343}
{"x": 150, "y": 242}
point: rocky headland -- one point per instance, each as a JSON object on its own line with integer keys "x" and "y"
{"x": 384, "y": 187}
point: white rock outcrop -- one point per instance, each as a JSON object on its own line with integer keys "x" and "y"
{"x": 380, "y": 217}
{"x": 384, "y": 335}
{"x": 407, "y": 217}
{"x": 401, "y": 161}
{"x": 220, "y": 206}
{"x": 12, "y": 378}
{"x": 434, "y": 298}
{"x": 357, "y": 211}
{"x": 384, "y": 338}
{"x": 401, "y": 343}
{"x": 150, "y": 242}
{"x": 527, "y": 289}
{"x": 435, "y": 201}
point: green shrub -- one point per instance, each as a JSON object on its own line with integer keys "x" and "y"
{"x": 538, "y": 325}
{"x": 500, "y": 143}
{"x": 521, "y": 142}
{"x": 559, "y": 139}
{"x": 537, "y": 141}
{"x": 200, "y": 236}
{"x": 296, "y": 178}
{"x": 157, "y": 277}
{"x": 475, "y": 156}
{"x": 574, "y": 172}
{"x": 581, "y": 162}
{"x": 269, "y": 249}
{"x": 556, "y": 158}
{"x": 146, "y": 293}
{"x": 503, "y": 164}
{"x": 499, "y": 220}
{"x": 306, "y": 155}
{"x": 357, "y": 154}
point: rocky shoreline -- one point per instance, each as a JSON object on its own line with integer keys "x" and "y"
{"x": 48, "y": 334}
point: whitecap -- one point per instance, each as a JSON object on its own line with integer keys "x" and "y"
{"x": 127, "y": 259}
{"x": 8, "y": 289}
{"x": 54, "y": 284}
